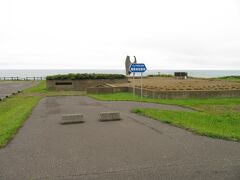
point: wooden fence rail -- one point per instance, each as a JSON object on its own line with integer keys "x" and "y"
{"x": 22, "y": 79}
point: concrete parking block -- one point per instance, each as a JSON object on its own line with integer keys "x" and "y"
{"x": 110, "y": 116}
{"x": 72, "y": 118}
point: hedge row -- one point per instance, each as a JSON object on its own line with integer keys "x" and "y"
{"x": 72, "y": 76}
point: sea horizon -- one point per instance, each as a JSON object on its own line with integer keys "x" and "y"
{"x": 22, "y": 73}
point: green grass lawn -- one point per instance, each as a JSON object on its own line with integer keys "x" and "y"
{"x": 217, "y": 117}
{"x": 13, "y": 112}
{"x": 225, "y": 126}
{"x": 41, "y": 90}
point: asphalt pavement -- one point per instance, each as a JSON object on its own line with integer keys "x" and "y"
{"x": 134, "y": 148}
{"x": 7, "y": 88}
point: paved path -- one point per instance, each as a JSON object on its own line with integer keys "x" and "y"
{"x": 7, "y": 88}
{"x": 133, "y": 148}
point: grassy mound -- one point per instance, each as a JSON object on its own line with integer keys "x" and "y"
{"x": 231, "y": 78}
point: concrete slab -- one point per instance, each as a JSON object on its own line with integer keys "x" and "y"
{"x": 134, "y": 148}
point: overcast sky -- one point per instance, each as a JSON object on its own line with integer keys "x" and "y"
{"x": 99, "y": 34}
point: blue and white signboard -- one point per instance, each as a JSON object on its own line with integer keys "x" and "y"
{"x": 138, "y": 68}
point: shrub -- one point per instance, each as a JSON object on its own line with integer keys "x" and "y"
{"x": 78, "y": 76}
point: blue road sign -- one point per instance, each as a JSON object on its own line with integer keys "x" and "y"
{"x": 138, "y": 68}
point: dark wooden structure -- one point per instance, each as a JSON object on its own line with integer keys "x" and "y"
{"x": 181, "y": 75}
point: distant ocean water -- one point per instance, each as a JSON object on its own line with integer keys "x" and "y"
{"x": 45, "y": 72}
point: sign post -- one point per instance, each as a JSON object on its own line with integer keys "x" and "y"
{"x": 141, "y": 86}
{"x": 133, "y": 85}
{"x": 137, "y": 68}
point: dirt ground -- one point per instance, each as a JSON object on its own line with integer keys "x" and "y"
{"x": 191, "y": 84}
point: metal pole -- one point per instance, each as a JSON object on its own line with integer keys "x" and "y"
{"x": 141, "y": 86}
{"x": 133, "y": 85}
